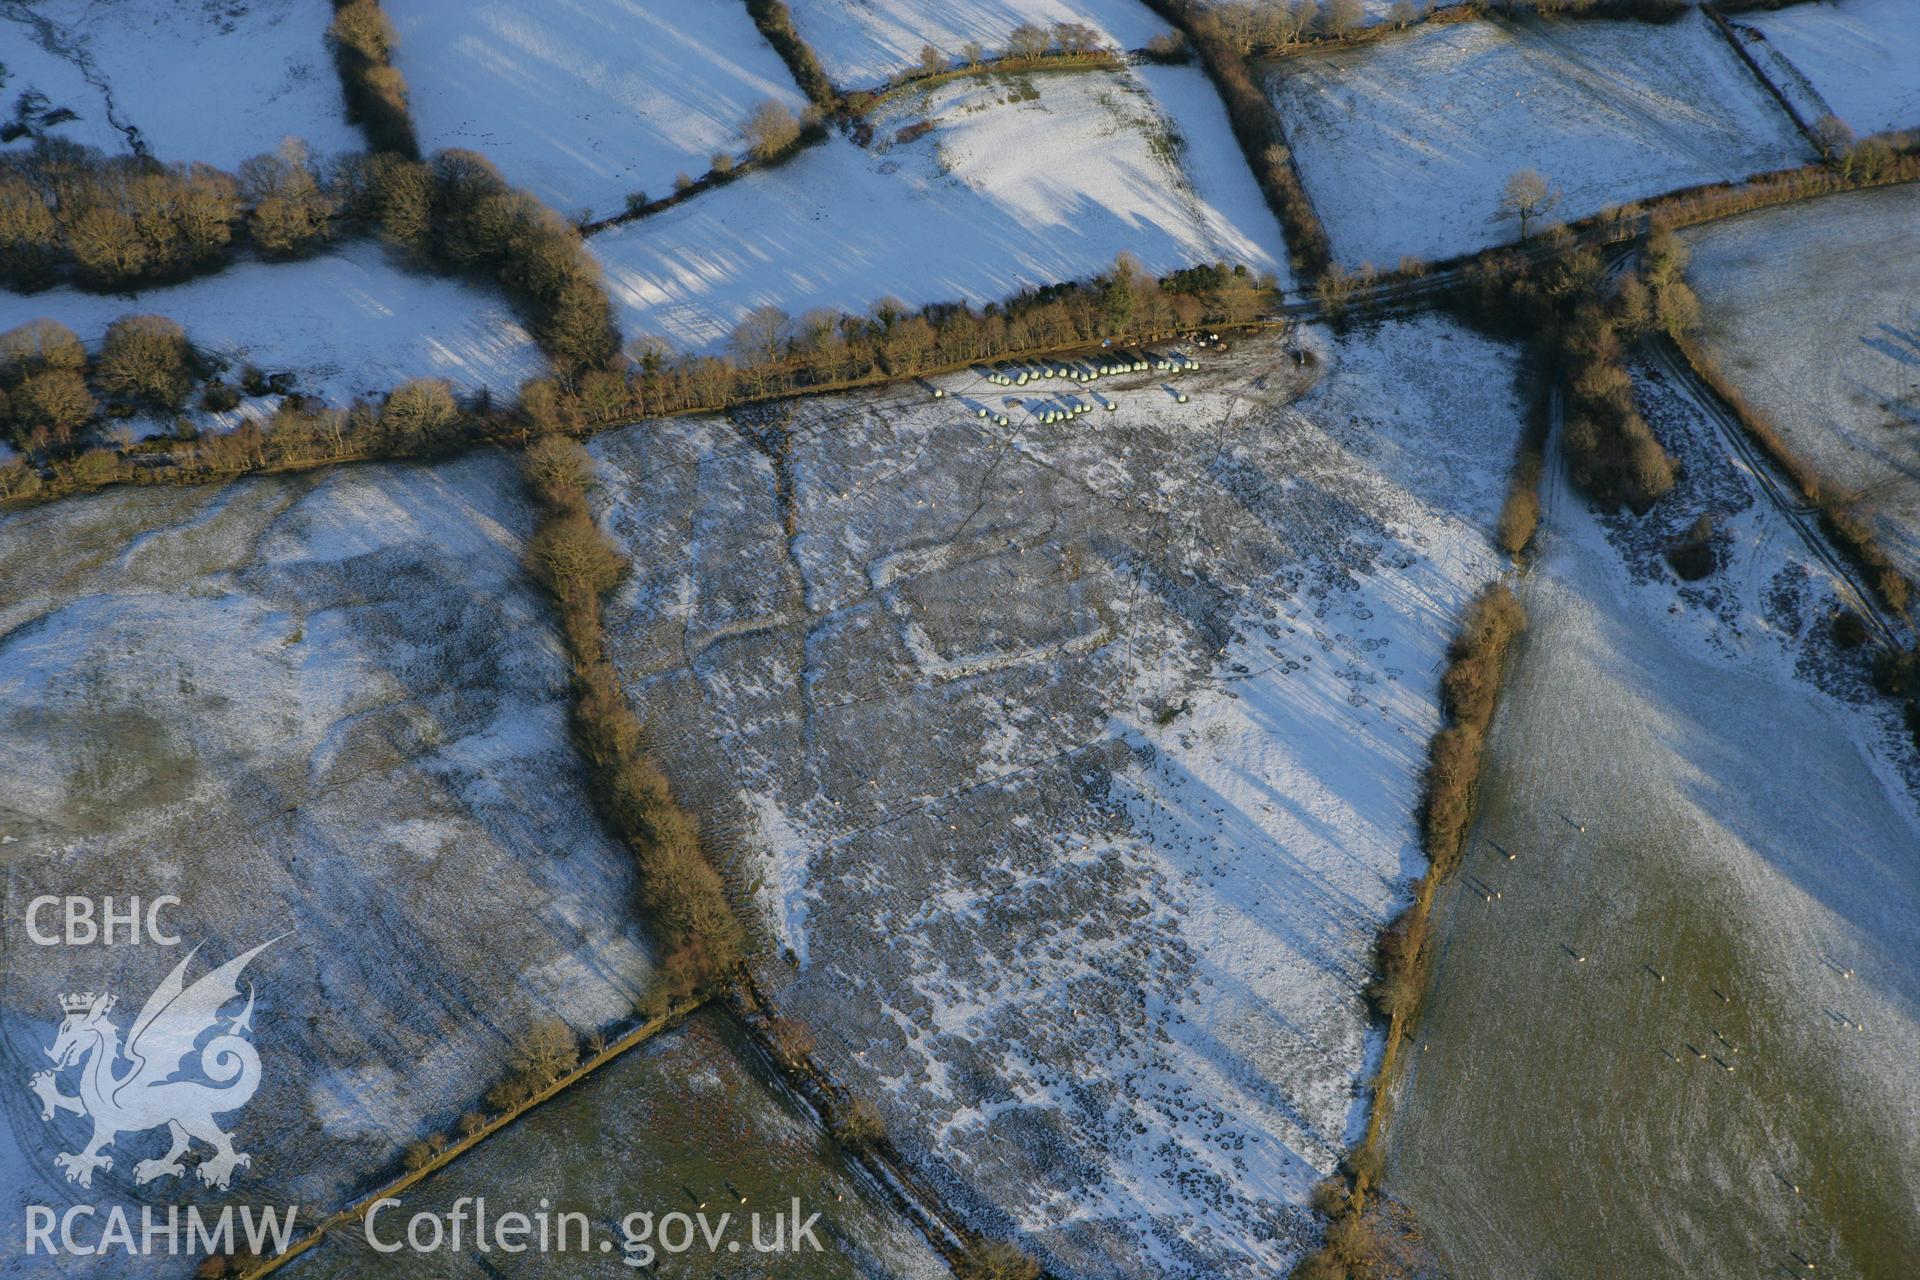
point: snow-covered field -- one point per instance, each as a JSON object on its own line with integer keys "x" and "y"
{"x": 1084, "y": 757}
{"x": 1026, "y": 180}
{"x": 1372, "y": 12}
{"x": 1703, "y": 799}
{"x": 208, "y": 80}
{"x": 1405, "y": 144}
{"x": 862, "y": 43}
{"x": 330, "y": 707}
{"x": 586, "y": 101}
{"x": 1861, "y": 58}
{"x": 1814, "y": 311}
{"x": 350, "y": 322}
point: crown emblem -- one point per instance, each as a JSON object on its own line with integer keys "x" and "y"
{"x": 82, "y": 1001}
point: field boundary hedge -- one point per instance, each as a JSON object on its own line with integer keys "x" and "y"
{"x": 1469, "y": 692}
{"x": 363, "y": 42}
{"x": 1259, "y": 130}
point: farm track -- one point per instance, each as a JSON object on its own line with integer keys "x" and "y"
{"x": 1804, "y": 517}
{"x": 939, "y": 1222}
{"x": 1733, "y": 34}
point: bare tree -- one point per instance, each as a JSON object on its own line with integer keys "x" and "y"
{"x": 548, "y": 1052}
{"x": 1833, "y": 135}
{"x": 291, "y": 210}
{"x": 1026, "y": 41}
{"x": 1527, "y": 195}
{"x": 144, "y": 358}
{"x": 418, "y": 408}
{"x": 1302, "y": 18}
{"x": 1341, "y": 16}
{"x": 56, "y": 400}
{"x": 760, "y": 339}
{"x": 40, "y": 344}
{"x": 1075, "y": 38}
{"x": 770, "y": 130}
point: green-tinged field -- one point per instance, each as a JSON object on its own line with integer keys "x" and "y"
{"x": 690, "y": 1123}
{"x": 1671, "y": 1025}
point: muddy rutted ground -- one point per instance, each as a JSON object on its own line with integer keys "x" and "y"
{"x": 1085, "y": 756}
{"x": 329, "y": 705}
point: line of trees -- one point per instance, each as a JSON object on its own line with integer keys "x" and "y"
{"x": 1258, "y": 129}
{"x": 51, "y": 390}
{"x": 1027, "y": 45}
{"x": 775, "y": 22}
{"x": 1469, "y": 693}
{"x": 363, "y": 42}
{"x": 774, "y": 354}
{"x": 1253, "y": 27}
{"x": 772, "y": 357}
{"x": 127, "y": 222}
{"x": 455, "y": 213}
{"x": 1520, "y": 509}
{"x": 1874, "y": 161}
{"x": 420, "y": 418}
{"x": 684, "y": 895}
{"x": 1878, "y": 160}
{"x": 773, "y": 131}
{"x": 1266, "y": 28}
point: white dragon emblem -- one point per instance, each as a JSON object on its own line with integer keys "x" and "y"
{"x": 146, "y": 1095}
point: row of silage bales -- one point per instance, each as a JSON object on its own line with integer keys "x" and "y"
{"x": 1051, "y": 413}
{"x": 1108, "y": 364}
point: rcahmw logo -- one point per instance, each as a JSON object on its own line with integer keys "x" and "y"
{"x": 134, "y": 1087}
